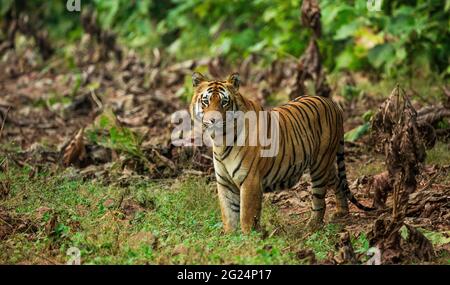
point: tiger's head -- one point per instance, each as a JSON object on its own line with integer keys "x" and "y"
{"x": 213, "y": 99}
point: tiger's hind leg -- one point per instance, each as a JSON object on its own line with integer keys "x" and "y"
{"x": 341, "y": 199}
{"x": 320, "y": 183}
{"x": 341, "y": 184}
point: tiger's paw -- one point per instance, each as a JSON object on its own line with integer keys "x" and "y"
{"x": 339, "y": 216}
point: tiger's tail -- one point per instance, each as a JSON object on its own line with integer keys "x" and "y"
{"x": 343, "y": 184}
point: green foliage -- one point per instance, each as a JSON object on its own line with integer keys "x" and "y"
{"x": 132, "y": 20}
{"x": 405, "y": 37}
{"x": 437, "y": 238}
{"x": 107, "y": 132}
{"x": 361, "y": 244}
{"x": 350, "y": 92}
{"x": 439, "y": 154}
{"x": 359, "y": 131}
{"x": 6, "y": 6}
{"x": 323, "y": 241}
{"x": 411, "y": 34}
{"x": 235, "y": 28}
{"x": 116, "y": 137}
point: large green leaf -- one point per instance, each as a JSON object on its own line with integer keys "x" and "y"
{"x": 347, "y": 60}
{"x": 5, "y": 6}
{"x": 357, "y": 132}
{"x": 381, "y": 54}
{"x": 346, "y": 31}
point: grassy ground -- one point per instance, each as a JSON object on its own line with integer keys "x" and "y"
{"x": 162, "y": 222}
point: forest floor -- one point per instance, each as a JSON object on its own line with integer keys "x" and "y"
{"x": 86, "y": 162}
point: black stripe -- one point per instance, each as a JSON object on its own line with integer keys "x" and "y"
{"x": 237, "y": 168}
{"x": 313, "y": 104}
{"x": 322, "y": 185}
{"x": 319, "y": 196}
{"x": 317, "y": 210}
{"x": 282, "y": 156}
{"x": 289, "y": 139}
{"x": 295, "y": 129}
{"x": 234, "y": 207}
{"x": 305, "y": 132}
{"x": 309, "y": 119}
{"x": 246, "y": 175}
{"x": 220, "y": 183}
{"x": 226, "y": 152}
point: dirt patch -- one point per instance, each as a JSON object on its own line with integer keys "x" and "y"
{"x": 11, "y": 224}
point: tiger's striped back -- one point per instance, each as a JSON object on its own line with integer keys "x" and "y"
{"x": 310, "y": 131}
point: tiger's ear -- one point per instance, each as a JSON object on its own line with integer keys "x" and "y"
{"x": 197, "y": 78}
{"x": 234, "y": 80}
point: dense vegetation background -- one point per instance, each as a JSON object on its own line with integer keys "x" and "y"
{"x": 406, "y": 37}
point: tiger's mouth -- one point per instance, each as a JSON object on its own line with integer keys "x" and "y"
{"x": 217, "y": 126}
{"x": 218, "y": 129}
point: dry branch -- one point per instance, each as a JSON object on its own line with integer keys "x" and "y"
{"x": 310, "y": 64}
{"x": 106, "y": 39}
{"x": 396, "y": 131}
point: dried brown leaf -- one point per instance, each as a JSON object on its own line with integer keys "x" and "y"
{"x": 310, "y": 16}
{"x": 346, "y": 253}
{"x": 75, "y": 151}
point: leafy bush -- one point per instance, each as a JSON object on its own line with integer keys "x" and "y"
{"x": 404, "y": 33}
{"x": 404, "y": 38}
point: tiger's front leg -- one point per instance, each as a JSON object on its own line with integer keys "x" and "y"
{"x": 229, "y": 206}
{"x": 251, "y": 203}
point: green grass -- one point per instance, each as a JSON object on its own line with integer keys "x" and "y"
{"x": 374, "y": 167}
{"x": 165, "y": 222}
{"x": 439, "y": 154}
{"x": 149, "y": 222}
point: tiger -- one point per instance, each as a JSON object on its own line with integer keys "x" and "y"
{"x": 311, "y": 137}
